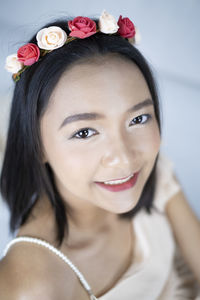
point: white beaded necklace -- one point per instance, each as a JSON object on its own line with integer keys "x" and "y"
{"x": 58, "y": 253}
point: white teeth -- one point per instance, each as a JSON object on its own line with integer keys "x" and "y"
{"x": 118, "y": 181}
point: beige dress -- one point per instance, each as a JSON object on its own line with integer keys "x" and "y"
{"x": 158, "y": 271}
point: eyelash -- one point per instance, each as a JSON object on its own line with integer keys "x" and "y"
{"x": 148, "y": 116}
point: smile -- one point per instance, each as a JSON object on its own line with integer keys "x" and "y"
{"x": 118, "y": 181}
{"x": 119, "y": 184}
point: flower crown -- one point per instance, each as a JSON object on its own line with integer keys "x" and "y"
{"x": 54, "y": 37}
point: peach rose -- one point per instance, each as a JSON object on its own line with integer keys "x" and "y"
{"x": 12, "y": 64}
{"x": 107, "y": 23}
{"x": 51, "y": 38}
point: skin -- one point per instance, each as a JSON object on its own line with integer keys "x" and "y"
{"x": 117, "y": 147}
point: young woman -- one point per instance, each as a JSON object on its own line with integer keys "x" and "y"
{"x": 99, "y": 212}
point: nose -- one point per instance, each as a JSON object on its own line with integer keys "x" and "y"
{"x": 118, "y": 153}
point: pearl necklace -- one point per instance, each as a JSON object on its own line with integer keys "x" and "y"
{"x": 59, "y": 254}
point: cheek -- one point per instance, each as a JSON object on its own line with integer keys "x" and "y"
{"x": 68, "y": 159}
{"x": 153, "y": 139}
{"x": 72, "y": 165}
{"x": 148, "y": 140}
{"x": 156, "y": 138}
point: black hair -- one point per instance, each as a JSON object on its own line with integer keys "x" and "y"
{"x": 24, "y": 176}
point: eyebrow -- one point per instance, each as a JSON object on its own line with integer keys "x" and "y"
{"x": 96, "y": 116}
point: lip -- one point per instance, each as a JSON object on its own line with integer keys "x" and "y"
{"x": 121, "y": 186}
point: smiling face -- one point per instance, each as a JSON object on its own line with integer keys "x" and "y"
{"x": 100, "y": 125}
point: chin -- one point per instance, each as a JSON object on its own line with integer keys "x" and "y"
{"x": 121, "y": 208}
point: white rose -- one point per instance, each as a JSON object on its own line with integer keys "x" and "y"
{"x": 51, "y": 38}
{"x": 137, "y": 36}
{"x": 12, "y": 64}
{"x": 107, "y": 23}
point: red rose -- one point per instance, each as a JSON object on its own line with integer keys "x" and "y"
{"x": 28, "y": 54}
{"x": 82, "y": 27}
{"x": 126, "y": 27}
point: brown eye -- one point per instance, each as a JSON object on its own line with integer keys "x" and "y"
{"x": 142, "y": 119}
{"x": 84, "y": 133}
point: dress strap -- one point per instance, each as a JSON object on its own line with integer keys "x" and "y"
{"x": 58, "y": 253}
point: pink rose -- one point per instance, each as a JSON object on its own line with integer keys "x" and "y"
{"x": 28, "y": 54}
{"x": 126, "y": 27}
{"x": 82, "y": 27}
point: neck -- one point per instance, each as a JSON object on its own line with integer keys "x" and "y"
{"x": 87, "y": 227}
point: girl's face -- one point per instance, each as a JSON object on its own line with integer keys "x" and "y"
{"x": 100, "y": 125}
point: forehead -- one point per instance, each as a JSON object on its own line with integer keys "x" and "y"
{"x": 100, "y": 81}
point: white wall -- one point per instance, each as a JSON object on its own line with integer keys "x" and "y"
{"x": 170, "y": 41}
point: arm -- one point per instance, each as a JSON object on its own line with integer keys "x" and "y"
{"x": 186, "y": 229}
{"x": 11, "y": 289}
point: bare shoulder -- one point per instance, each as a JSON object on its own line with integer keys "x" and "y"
{"x": 178, "y": 206}
{"x": 31, "y": 272}
{"x": 22, "y": 274}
